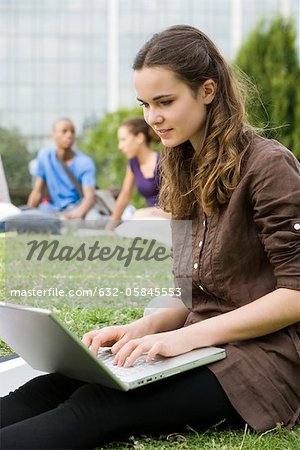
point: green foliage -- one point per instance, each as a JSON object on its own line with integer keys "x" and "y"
{"x": 296, "y": 132}
{"x": 15, "y": 158}
{"x": 269, "y": 58}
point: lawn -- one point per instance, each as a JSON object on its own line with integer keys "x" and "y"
{"x": 82, "y": 316}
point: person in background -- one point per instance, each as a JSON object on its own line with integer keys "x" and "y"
{"x": 6, "y": 207}
{"x": 135, "y": 138}
{"x": 239, "y": 194}
{"x": 54, "y": 190}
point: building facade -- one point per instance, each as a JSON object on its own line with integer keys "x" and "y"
{"x": 72, "y": 58}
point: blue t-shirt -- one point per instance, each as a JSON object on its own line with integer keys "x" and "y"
{"x": 60, "y": 187}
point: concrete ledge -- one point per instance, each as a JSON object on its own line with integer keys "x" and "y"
{"x": 14, "y": 372}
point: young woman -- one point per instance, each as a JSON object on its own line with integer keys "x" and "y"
{"x": 241, "y": 195}
{"x": 135, "y": 137}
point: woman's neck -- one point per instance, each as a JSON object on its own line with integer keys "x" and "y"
{"x": 145, "y": 152}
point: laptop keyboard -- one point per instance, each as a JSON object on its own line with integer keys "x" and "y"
{"x": 139, "y": 369}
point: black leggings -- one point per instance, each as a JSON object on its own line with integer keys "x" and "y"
{"x": 55, "y": 412}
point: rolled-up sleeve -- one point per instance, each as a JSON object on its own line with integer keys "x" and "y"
{"x": 276, "y": 204}
{"x": 88, "y": 176}
{"x": 40, "y": 164}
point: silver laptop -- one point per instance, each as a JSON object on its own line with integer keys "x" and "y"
{"x": 46, "y": 344}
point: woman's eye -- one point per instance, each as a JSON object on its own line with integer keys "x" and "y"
{"x": 143, "y": 104}
{"x": 166, "y": 102}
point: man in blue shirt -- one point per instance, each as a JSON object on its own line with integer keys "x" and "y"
{"x": 64, "y": 197}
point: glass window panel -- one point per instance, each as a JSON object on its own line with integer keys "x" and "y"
{"x": 4, "y": 100}
{"x": 8, "y": 119}
{"x": 24, "y": 5}
{"x": 46, "y": 73}
{"x": 5, "y": 72}
{"x": 37, "y": 128}
{"x": 128, "y": 96}
{"x": 76, "y": 5}
{"x": 72, "y": 48}
{"x": 5, "y": 23}
{"x": 9, "y": 98}
{"x": 98, "y": 22}
{"x": 97, "y": 72}
{"x": 97, "y": 48}
{"x": 97, "y": 99}
{"x": 24, "y": 97}
{"x": 50, "y": 5}
{"x": 47, "y": 47}
{"x": 71, "y": 73}
{"x": 70, "y": 23}
{"x": 23, "y": 47}
{"x": 50, "y": 24}
{"x": 24, "y": 22}
{"x": 128, "y": 46}
{"x": 25, "y": 72}
{"x": 98, "y": 5}
{"x": 70, "y": 98}
{"x": 45, "y": 98}
{"x": 46, "y": 119}
{"x": 93, "y": 99}
{"x": 4, "y": 47}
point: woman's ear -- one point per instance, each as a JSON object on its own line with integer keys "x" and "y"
{"x": 140, "y": 137}
{"x": 208, "y": 90}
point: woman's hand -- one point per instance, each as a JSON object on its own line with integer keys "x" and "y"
{"x": 112, "y": 224}
{"x": 114, "y": 336}
{"x": 70, "y": 215}
{"x": 170, "y": 343}
{"x": 162, "y": 328}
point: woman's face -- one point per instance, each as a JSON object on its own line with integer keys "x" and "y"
{"x": 128, "y": 143}
{"x": 170, "y": 107}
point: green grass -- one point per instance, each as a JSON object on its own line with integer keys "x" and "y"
{"x": 80, "y": 320}
{"x": 82, "y": 275}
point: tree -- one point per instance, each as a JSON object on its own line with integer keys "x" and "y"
{"x": 269, "y": 58}
{"x": 296, "y": 133}
{"x": 15, "y": 158}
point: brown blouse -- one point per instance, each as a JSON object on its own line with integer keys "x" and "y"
{"x": 224, "y": 262}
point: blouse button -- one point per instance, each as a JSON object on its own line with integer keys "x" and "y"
{"x": 200, "y": 243}
{"x": 297, "y": 226}
{"x": 195, "y": 266}
{"x": 204, "y": 222}
{"x": 201, "y": 287}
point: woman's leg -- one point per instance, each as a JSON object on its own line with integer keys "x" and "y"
{"x": 37, "y": 396}
{"x": 94, "y": 414}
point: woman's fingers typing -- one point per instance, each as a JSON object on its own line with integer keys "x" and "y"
{"x": 126, "y": 346}
{"x": 136, "y": 353}
{"x": 154, "y": 351}
{"x": 119, "y": 344}
{"x": 127, "y": 351}
{"x": 101, "y": 338}
{"x": 88, "y": 337}
{"x": 133, "y": 349}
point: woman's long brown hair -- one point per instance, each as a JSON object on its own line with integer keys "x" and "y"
{"x": 206, "y": 175}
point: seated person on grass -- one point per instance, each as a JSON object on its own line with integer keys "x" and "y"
{"x": 51, "y": 174}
